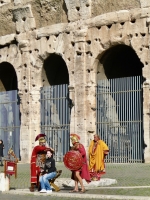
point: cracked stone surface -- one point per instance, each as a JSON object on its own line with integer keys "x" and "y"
{"x": 80, "y": 33}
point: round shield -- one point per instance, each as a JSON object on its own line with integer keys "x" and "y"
{"x": 73, "y": 160}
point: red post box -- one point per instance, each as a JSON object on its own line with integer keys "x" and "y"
{"x": 10, "y": 168}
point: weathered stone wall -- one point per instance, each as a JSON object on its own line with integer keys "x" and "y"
{"x": 99, "y": 7}
{"x": 81, "y": 43}
{"x": 45, "y": 12}
{"x": 6, "y": 20}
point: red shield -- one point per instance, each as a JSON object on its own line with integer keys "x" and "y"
{"x": 73, "y": 160}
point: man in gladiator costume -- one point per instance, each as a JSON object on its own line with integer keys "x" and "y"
{"x": 37, "y": 160}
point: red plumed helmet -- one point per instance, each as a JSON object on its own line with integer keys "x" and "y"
{"x": 39, "y": 136}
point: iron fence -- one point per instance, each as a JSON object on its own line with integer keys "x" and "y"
{"x": 55, "y": 118}
{"x": 10, "y": 121}
{"x": 119, "y": 118}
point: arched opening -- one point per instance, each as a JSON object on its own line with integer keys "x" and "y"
{"x": 121, "y": 61}
{"x": 9, "y": 109}
{"x": 55, "y": 110}
{"x": 8, "y": 76}
{"x": 119, "y": 103}
{"x": 56, "y": 70}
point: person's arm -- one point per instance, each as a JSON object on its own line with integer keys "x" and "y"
{"x": 53, "y": 167}
{"x": 81, "y": 149}
{"x": 44, "y": 169}
{"x": 105, "y": 149}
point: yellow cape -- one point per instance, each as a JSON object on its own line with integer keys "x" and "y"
{"x": 96, "y": 159}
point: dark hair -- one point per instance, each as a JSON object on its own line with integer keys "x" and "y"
{"x": 1, "y": 141}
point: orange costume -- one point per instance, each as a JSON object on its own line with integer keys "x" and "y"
{"x": 97, "y": 152}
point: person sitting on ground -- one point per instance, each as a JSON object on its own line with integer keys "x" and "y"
{"x": 49, "y": 172}
{"x": 98, "y": 150}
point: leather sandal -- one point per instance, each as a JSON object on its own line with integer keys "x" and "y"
{"x": 82, "y": 191}
{"x": 73, "y": 191}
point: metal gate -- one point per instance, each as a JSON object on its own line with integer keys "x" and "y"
{"x": 55, "y": 118}
{"x": 119, "y": 118}
{"x": 10, "y": 121}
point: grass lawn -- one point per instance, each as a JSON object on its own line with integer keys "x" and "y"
{"x": 127, "y": 175}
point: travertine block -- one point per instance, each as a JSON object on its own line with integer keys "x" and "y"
{"x": 7, "y": 39}
{"x": 144, "y": 3}
{"x": 80, "y": 9}
{"x": 24, "y": 19}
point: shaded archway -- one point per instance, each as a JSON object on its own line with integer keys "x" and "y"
{"x": 8, "y": 76}
{"x": 55, "y": 110}
{"x": 9, "y": 109}
{"x": 121, "y": 61}
{"x": 119, "y": 103}
{"x": 56, "y": 70}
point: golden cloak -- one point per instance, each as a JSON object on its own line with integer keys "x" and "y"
{"x": 97, "y": 154}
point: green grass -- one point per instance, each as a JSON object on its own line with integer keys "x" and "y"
{"x": 124, "y": 192}
{"x": 126, "y": 175}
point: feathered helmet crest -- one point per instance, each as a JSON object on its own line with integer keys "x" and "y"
{"x": 41, "y": 137}
{"x": 74, "y": 137}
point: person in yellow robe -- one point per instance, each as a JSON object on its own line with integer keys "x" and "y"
{"x": 98, "y": 150}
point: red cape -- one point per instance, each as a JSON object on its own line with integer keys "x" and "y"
{"x": 84, "y": 172}
{"x": 35, "y": 169}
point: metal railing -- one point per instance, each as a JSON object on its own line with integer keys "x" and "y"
{"x": 55, "y": 118}
{"x": 10, "y": 121}
{"x": 119, "y": 118}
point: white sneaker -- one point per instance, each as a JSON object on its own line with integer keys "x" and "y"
{"x": 43, "y": 191}
{"x": 49, "y": 191}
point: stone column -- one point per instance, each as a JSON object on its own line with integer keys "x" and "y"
{"x": 79, "y": 85}
{"x": 29, "y": 92}
{"x": 146, "y": 113}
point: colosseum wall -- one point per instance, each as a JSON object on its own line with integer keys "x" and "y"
{"x": 80, "y": 31}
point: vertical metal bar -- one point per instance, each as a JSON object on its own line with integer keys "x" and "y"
{"x": 60, "y": 135}
{"x": 138, "y": 119}
{"x": 138, "y": 114}
{"x": 109, "y": 130}
{"x": 124, "y": 108}
{"x": 141, "y": 118}
{"x": 134, "y": 124}
{"x": 98, "y": 108}
{"x": 130, "y": 118}
{"x": 65, "y": 118}
{"x": 122, "y": 117}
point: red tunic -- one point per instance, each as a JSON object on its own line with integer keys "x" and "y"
{"x": 84, "y": 172}
{"x": 35, "y": 169}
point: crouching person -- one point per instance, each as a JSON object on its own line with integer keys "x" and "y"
{"x": 49, "y": 172}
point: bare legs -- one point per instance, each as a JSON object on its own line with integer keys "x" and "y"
{"x": 77, "y": 178}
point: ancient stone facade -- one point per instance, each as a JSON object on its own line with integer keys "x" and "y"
{"x": 80, "y": 31}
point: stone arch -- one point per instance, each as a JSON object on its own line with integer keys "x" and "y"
{"x": 9, "y": 108}
{"x": 56, "y": 70}
{"x": 8, "y": 77}
{"x": 120, "y": 61}
{"x": 119, "y": 105}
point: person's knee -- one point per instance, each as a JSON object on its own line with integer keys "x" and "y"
{"x": 40, "y": 180}
{"x": 45, "y": 178}
{"x": 78, "y": 176}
